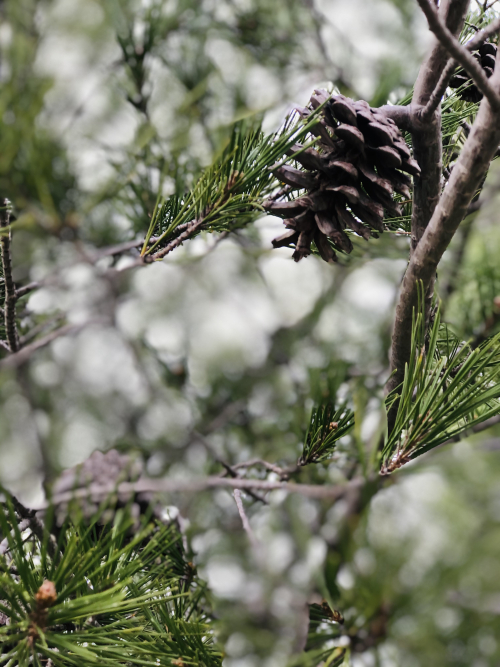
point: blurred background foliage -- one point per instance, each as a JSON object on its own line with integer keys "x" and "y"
{"x": 219, "y": 352}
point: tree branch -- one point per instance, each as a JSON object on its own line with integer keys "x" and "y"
{"x": 10, "y": 288}
{"x": 427, "y": 150}
{"x": 21, "y": 291}
{"x": 24, "y": 354}
{"x": 196, "y": 485}
{"x": 401, "y": 115}
{"x": 244, "y": 519}
{"x": 470, "y": 169}
{"x": 192, "y": 227}
{"x": 231, "y": 470}
{"x": 460, "y": 53}
{"x": 426, "y": 137}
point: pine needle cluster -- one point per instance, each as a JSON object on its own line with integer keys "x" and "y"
{"x": 99, "y": 594}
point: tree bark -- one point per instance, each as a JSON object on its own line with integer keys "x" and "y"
{"x": 465, "y": 179}
{"x": 427, "y": 150}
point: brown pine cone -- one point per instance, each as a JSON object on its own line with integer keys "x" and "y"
{"x": 486, "y": 55}
{"x": 349, "y": 179}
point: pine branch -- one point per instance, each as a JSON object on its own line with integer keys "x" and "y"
{"x": 229, "y": 194}
{"x": 10, "y": 288}
{"x": 464, "y": 182}
{"x": 191, "y": 228}
{"x": 113, "y": 595}
{"x": 427, "y": 151}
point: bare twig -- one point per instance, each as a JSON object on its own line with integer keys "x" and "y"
{"x": 120, "y": 248}
{"x": 40, "y": 328}
{"x": 244, "y": 519}
{"x": 23, "y": 355}
{"x": 191, "y": 228}
{"x": 281, "y": 472}
{"x": 428, "y": 111}
{"x": 196, "y": 485}
{"x": 460, "y": 53}
{"x": 10, "y": 288}
{"x": 231, "y": 470}
{"x": 21, "y": 291}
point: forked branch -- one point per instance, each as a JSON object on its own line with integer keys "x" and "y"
{"x": 465, "y": 179}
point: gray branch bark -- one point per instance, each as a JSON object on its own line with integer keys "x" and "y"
{"x": 466, "y": 177}
{"x": 427, "y": 150}
{"x": 196, "y": 485}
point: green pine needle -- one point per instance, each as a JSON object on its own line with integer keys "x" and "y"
{"x": 229, "y": 194}
{"x": 448, "y": 388}
{"x": 326, "y": 427}
{"x": 120, "y": 596}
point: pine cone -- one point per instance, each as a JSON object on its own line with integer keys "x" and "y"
{"x": 486, "y": 55}
{"x": 349, "y": 180}
{"x": 106, "y": 470}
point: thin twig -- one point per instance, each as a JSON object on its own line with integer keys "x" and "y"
{"x": 191, "y": 228}
{"x": 231, "y": 470}
{"x": 196, "y": 485}
{"x": 244, "y": 519}
{"x": 40, "y": 328}
{"x": 460, "y": 53}
{"x": 23, "y": 355}
{"x": 21, "y": 291}
{"x": 281, "y": 472}
{"x": 10, "y": 288}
